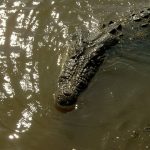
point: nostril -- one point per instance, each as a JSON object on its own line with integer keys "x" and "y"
{"x": 62, "y": 103}
{"x": 67, "y": 93}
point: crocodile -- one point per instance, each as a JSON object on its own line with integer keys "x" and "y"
{"x": 89, "y": 54}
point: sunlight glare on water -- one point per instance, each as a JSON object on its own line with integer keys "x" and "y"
{"x": 34, "y": 43}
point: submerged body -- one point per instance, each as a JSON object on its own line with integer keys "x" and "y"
{"x": 89, "y": 54}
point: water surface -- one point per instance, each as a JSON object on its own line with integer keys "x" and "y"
{"x": 113, "y": 113}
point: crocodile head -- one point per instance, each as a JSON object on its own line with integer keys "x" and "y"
{"x": 66, "y": 96}
{"x": 89, "y": 54}
{"x": 80, "y": 67}
{"x": 66, "y": 100}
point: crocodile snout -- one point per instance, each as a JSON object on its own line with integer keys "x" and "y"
{"x": 65, "y": 101}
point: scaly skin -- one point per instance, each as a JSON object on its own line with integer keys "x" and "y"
{"x": 88, "y": 55}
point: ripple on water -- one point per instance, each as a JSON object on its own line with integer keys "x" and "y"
{"x": 111, "y": 113}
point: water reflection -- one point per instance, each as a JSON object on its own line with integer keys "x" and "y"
{"x": 25, "y": 121}
{"x": 19, "y": 72}
{"x": 23, "y": 35}
{"x": 19, "y": 45}
{"x": 34, "y": 43}
{"x": 3, "y": 18}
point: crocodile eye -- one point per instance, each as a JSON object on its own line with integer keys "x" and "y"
{"x": 103, "y": 25}
{"x": 148, "y": 8}
{"x": 111, "y": 22}
{"x": 113, "y": 31}
{"x": 119, "y": 27}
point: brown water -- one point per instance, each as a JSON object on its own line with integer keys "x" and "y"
{"x": 112, "y": 114}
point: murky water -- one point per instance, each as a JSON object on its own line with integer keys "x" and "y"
{"x": 113, "y": 113}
